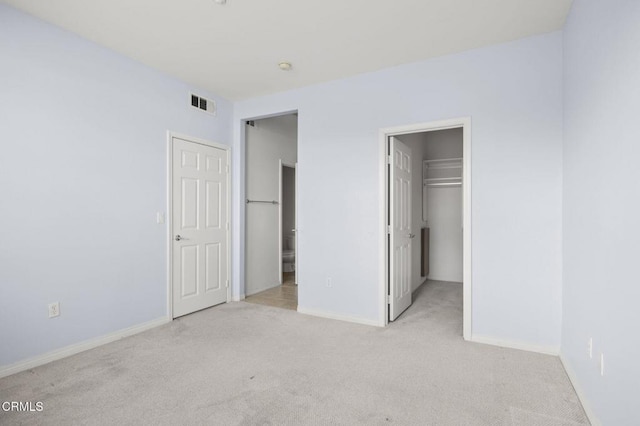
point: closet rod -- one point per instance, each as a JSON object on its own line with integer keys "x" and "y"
{"x": 263, "y": 202}
{"x": 445, "y": 184}
{"x": 444, "y": 179}
{"x": 440, "y": 160}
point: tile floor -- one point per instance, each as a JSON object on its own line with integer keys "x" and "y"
{"x": 284, "y": 296}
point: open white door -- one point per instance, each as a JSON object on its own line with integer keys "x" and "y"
{"x": 200, "y": 226}
{"x": 295, "y": 229}
{"x": 400, "y": 236}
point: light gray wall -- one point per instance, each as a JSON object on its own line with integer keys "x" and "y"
{"x": 416, "y": 143}
{"x": 444, "y": 210}
{"x": 270, "y": 140}
{"x": 602, "y": 205}
{"x": 83, "y": 171}
{"x": 513, "y": 94}
{"x": 288, "y": 203}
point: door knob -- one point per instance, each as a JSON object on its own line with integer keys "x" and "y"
{"x": 178, "y": 238}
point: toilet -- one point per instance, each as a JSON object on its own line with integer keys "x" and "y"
{"x": 289, "y": 254}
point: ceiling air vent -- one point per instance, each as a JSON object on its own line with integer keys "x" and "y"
{"x": 203, "y": 104}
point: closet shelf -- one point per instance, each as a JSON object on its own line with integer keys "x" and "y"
{"x": 443, "y": 163}
{"x": 442, "y": 172}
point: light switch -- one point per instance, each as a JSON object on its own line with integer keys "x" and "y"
{"x": 160, "y": 217}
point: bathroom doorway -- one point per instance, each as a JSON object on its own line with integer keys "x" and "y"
{"x": 270, "y": 221}
{"x": 288, "y": 224}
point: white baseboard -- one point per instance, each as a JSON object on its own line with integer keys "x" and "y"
{"x": 591, "y": 415}
{"x": 57, "y": 354}
{"x": 424, "y": 280}
{"x": 339, "y": 317}
{"x": 487, "y": 340}
{"x": 445, "y": 280}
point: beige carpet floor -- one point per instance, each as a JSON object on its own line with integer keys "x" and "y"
{"x": 248, "y": 364}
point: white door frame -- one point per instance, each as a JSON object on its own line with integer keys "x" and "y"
{"x": 296, "y": 253}
{"x": 280, "y": 177}
{"x": 384, "y": 134}
{"x": 169, "y": 215}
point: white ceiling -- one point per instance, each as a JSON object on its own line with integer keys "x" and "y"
{"x": 233, "y": 50}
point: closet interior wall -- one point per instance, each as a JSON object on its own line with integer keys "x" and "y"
{"x": 442, "y": 203}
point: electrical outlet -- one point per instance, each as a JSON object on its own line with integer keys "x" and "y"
{"x": 329, "y": 283}
{"x": 590, "y": 347}
{"x": 602, "y": 364}
{"x": 54, "y": 309}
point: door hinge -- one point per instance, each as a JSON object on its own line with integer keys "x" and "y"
{"x": 227, "y": 284}
{"x": 227, "y": 226}
{"x": 388, "y": 229}
{"x": 388, "y": 299}
{"x": 227, "y": 168}
{"x": 388, "y": 159}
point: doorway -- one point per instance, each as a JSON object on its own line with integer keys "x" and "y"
{"x": 270, "y": 221}
{"x": 288, "y": 224}
{"x": 426, "y": 211}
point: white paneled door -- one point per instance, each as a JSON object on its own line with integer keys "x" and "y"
{"x": 400, "y": 235}
{"x": 200, "y": 226}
